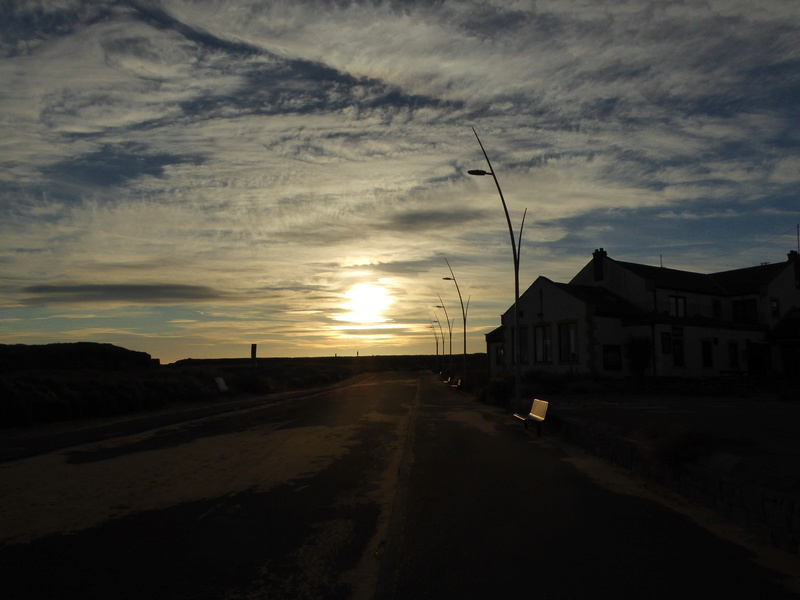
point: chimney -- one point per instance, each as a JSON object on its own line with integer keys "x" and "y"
{"x": 598, "y": 257}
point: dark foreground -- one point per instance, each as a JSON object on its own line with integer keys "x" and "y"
{"x": 394, "y": 487}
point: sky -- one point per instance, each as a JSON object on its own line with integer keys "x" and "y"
{"x": 188, "y": 178}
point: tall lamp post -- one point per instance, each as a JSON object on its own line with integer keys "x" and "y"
{"x": 435, "y": 337}
{"x": 450, "y": 331}
{"x": 464, "y": 312}
{"x": 441, "y": 331}
{"x": 515, "y": 248}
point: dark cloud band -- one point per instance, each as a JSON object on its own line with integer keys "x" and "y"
{"x": 132, "y": 293}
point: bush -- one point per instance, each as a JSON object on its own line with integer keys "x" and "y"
{"x": 250, "y": 383}
{"x": 499, "y": 391}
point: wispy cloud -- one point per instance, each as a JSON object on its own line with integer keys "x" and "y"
{"x": 125, "y": 293}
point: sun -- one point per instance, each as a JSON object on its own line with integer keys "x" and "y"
{"x": 366, "y": 304}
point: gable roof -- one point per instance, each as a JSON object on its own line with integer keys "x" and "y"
{"x": 496, "y": 335}
{"x": 674, "y": 278}
{"x": 748, "y": 280}
{"x": 725, "y": 283}
{"x": 606, "y": 303}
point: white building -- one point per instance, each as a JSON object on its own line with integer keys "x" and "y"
{"x": 618, "y": 318}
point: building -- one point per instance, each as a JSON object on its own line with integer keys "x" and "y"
{"x": 617, "y": 319}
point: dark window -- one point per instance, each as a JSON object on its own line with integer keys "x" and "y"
{"x": 733, "y": 355}
{"x": 666, "y": 343}
{"x": 612, "y": 357}
{"x": 498, "y": 356}
{"x": 677, "y": 306}
{"x": 707, "y": 351}
{"x": 716, "y": 308}
{"x": 678, "y": 359}
{"x": 745, "y": 311}
{"x": 568, "y": 342}
{"x": 523, "y": 344}
{"x": 775, "y": 308}
{"x": 542, "y": 344}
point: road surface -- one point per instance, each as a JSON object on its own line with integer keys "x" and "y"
{"x": 395, "y": 487}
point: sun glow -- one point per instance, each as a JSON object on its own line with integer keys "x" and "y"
{"x": 366, "y": 304}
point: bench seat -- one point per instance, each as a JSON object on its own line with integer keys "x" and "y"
{"x": 536, "y": 415}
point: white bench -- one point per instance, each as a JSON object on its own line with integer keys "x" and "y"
{"x": 537, "y": 414}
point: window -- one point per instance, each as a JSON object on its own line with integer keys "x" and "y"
{"x": 498, "y": 356}
{"x": 542, "y": 344}
{"x": 677, "y": 306}
{"x": 716, "y": 309}
{"x": 745, "y": 311}
{"x": 733, "y": 355}
{"x": 678, "y": 359}
{"x": 707, "y": 352}
{"x": 775, "y": 308}
{"x": 666, "y": 343}
{"x": 568, "y": 342}
{"x": 612, "y": 357}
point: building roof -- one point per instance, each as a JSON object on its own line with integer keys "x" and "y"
{"x": 606, "y": 303}
{"x": 495, "y": 335}
{"x": 725, "y": 283}
{"x": 748, "y": 280}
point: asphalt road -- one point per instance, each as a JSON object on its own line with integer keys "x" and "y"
{"x": 395, "y": 488}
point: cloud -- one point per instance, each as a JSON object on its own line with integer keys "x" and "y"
{"x": 119, "y": 293}
{"x": 284, "y": 151}
{"x": 113, "y": 165}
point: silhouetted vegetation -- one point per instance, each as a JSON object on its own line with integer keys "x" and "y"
{"x": 541, "y": 383}
{"x": 78, "y": 355}
{"x": 61, "y": 382}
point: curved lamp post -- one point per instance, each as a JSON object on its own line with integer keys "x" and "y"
{"x": 450, "y": 331}
{"x": 464, "y": 312}
{"x": 515, "y": 248}
{"x": 435, "y": 337}
{"x": 441, "y": 331}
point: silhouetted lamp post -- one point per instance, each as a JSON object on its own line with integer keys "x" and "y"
{"x": 450, "y": 331}
{"x": 464, "y": 312}
{"x": 435, "y": 337}
{"x": 515, "y": 248}
{"x": 441, "y": 331}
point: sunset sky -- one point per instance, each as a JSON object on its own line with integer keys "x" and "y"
{"x": 186, "y": 178}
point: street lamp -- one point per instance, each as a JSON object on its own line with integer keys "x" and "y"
{"x": 464, "y": 312}
{"x": 450, "y": 330}
{"x": 435, "y": 337}
{"x": 441, "y": 331}
{"x": 515, "y": 248}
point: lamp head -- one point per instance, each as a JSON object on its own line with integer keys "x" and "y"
{"x": 480, "y": 172}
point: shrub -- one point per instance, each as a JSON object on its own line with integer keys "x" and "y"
{"x": 500, "y": 391}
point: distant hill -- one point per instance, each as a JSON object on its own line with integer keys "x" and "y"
{"x": 68, "y": 356}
